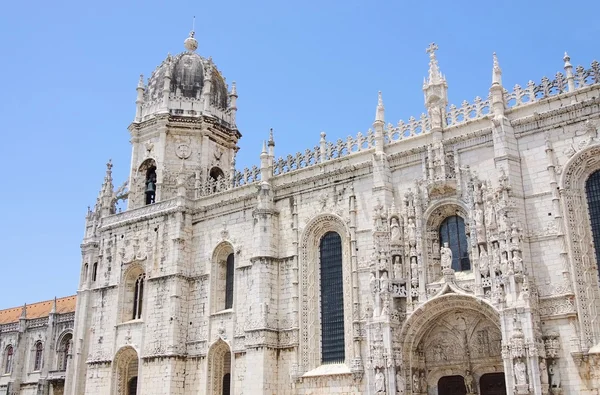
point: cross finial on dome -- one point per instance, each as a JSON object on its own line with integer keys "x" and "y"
{"x": 431, "y": 50}
{"x": 190, "y": 43}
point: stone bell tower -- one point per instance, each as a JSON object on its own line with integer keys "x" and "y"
{"x": 184, "y": 135}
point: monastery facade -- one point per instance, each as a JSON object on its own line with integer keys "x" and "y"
{"x": 455, "y": 253}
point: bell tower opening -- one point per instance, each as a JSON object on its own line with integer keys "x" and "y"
{"x": 150, "y": 185}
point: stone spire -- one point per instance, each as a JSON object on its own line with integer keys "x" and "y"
{"x": 53, "y": 311}
{"x": 233, "y": 95}
{"x": 140, "y": 99}
{"x": 436, "y": 92}
{"x": 24, "y": 311}
{"x": 569, "y": 73}
{"x": 380, "y": 114}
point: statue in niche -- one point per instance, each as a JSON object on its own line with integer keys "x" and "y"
{"x": 385, "y": 282}
{"x": 423, "y": 382}
{"x": 484, "y": 264}
{"x": 400, "y": 383}
{"x": 543, "y": 372}
{"x": 521, "y": 373}
{"x": 374, "y": 283}
{"x": 438, "y": 353}
{"x": 397, "y": 267}
{"x": 395, "y": 230}
{"x": 554, "y": 375}
{"x": 446, "y": 253}
{"x": 412, "y": 232}
{"x": 479, "y": 225}
{"x": 414, "y": 270}
{"x": 385, "y": 310}
{"x": 490, "y": 213}
{"x": 379, "y": 382}
{"x": 435, "y": 114}
{"x": 416, "y": 382}
{"x": 517, "y": 262}
{"x": 469, "y": 382}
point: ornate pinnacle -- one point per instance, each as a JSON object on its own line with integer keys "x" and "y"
{"x": 141, "y": 81}
{"x": 497, "y": 72}
{"x": 24, "y": 311}
{"x": 233, "y": 89}
{"x": 380, "y": 114}
{"x": 434, "y": 72}
{"x": 271, "y": 139}
{"x": 567, "y": 59}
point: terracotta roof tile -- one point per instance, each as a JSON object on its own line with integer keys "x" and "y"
{"x": 39, "y": 309}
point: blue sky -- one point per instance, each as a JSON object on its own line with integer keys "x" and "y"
{"x": 69, "y": 71}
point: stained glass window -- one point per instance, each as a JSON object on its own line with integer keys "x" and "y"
{"x": 592, "y": 191}
{"x": 332, "y": 299}
{"x": 452, "y": 231}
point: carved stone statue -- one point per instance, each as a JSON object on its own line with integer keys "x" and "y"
{"x": 374, "y": 283}
{"x": 395, "y": 230}
{"x": 543, "y": 372}
{"x": 469, "y": 382}
{"x": 397, "y": 267}
{"x": 384, "y": 283}
{"x": 400, "y": 383}
{"x": 446, "y": 257}
{"x": 412, "y": 232}
{"x": 414, "y": 270}
{"x": 416, "y": 383}
{"x": 379, "y": 382}
{"x": 479, "y": 225}
{"x": 554, "y": 375}
{"x": 484, "y": 263}
{"x": 520, "y": 373}
{"x": 385, "y": 310}
{"x": 423, "y": 382}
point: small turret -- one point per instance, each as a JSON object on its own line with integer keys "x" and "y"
{"x": 106, "y": 198}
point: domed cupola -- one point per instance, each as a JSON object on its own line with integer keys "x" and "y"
{"x": 187, "y": 85}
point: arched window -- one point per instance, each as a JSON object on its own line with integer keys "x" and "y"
{"x": 216, "y": 173}
{"x": 37, "y": 357}
{"x": 229, "y": 282}
{"x": 138, "y": 296}
{"x": 85, "y": 273}
{"x": 332, "y": 299}
{"x": 63, "y": 352}
{"x": 94, "y": 271}
{"x": 452, "y": 231}
{"x": 8, "y": 359}
{"x": 592, "y": 191}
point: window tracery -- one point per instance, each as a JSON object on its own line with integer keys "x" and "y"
{"x": 64, "y": 348}
{"x": 132, "y": 289}
{"x": 452, "y": 231}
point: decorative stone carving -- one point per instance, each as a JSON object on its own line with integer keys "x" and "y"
{"x": 379, "y": 382}
{"x": 446, "y": 254}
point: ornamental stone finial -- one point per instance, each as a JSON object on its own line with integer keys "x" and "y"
{"x": 190, "y": 43}
{"x": 435, "y": 77}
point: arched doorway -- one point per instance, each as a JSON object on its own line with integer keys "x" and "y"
{"x": 125, "y": 372}
{"x": 492, "y": 384}
{"x": 219, "y": 369}
{"x": 452, "y": 385}
{"x": 450, "y": 342}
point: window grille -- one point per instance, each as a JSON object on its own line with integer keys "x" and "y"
{"x": 229, "y": 282}
{"x": 452, "y": 231}
{"x": 592, "y": 191}
{"x": 332, "y": 299}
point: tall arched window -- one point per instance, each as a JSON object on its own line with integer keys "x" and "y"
{"x": 37, "y": 358}
{"x": 452, "y": 231}
{"x": 94, "y": 271}
{"x": 150, "y": 189}
{"x": 229, "y": 282}
{"x": 8, "y": 359}
{"x": 138, "y": 297}
{"x": 332, "y": 299}
{"x": 63, "y": 352}
{"x": 592, "y": 191}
